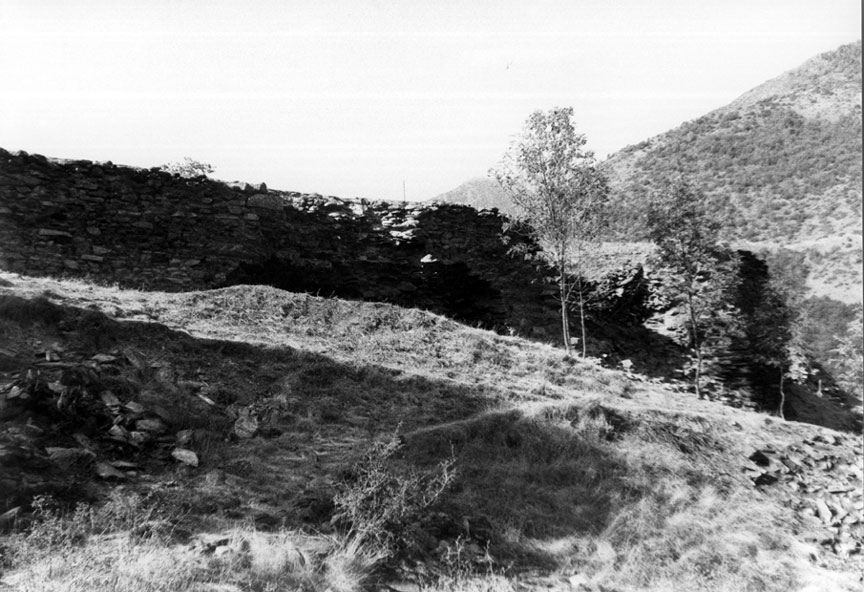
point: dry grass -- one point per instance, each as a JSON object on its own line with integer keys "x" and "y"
{"x": 118, "y": 547}
{"x": 619, "y": 500}
{"x": 566, "y": 471}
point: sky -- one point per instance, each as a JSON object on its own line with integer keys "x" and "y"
{"x": 379, "y": 99}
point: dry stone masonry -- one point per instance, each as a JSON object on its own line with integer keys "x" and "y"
{"x": 154, "y": 230}
{"x": 149, "y": 229}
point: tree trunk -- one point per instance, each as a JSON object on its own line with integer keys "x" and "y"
{"x": 582, "y": 316}
{"x": 697, "y": 347}
{"x": 565, "y": 321}
{"x": 782, "y": 395}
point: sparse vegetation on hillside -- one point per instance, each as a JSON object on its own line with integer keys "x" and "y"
{"x": 777, "y": 175}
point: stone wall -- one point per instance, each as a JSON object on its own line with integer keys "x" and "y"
{"x": 153, "y": 230}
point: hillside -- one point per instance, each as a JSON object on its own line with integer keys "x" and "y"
{"x": 783, "y": 163}
{"x": 243, "y": 439}
{"x": 783, "y": 160}
{"x": 480, "y": 193}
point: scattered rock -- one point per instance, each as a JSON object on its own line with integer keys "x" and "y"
{"x": 208, "y": 543}
{"x": 105, "y": 471}
{"x": 605, "y": 552}
{"x": 84, "y": 441}
{"x": 154, "y": 425}
{"x": 139, "y": 438}
{"x": 104, "y": 358}
{"x": 760, "y": 458}
{"x": 120, "y": 433}
{"x": 823, "y": 511}
{"x": 185, "y": 456}
{"x": 135, "y": 407}
{"x": 246, "y": 425}
{"x": 69, "y": 457}
{"x": 110, "y": 399}
{"x": 214, "y": 477}
{"x": 8, "y": 518}
{"x": 765, "y": 479}
{"x": 184, "y": 437}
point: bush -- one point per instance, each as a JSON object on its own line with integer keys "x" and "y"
{"x": 383, "y": 499}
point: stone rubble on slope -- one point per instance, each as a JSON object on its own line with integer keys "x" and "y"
{"x": 821, "y": 480}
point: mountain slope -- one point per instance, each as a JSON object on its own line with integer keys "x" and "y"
{"x": 480, "y": 193}
{"x": 783, "y": 161}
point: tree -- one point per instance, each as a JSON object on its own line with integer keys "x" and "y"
{"x": 188, "y": 168}
{"x": 699, "y": 271}
{"x": 849, "y": 356}
{"x": 776, "y": 318}
{"x": 560, "y": 195}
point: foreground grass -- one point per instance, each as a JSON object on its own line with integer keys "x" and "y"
{"x": 565, "y": 474}
{"x": 575, "y": 493}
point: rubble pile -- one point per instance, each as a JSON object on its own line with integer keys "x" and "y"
{"x": 68, "y": 423}
{"x": 821, "y": 480}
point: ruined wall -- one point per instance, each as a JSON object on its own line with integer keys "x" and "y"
{"x": 153, "y": 230}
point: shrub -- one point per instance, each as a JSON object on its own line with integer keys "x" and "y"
{"x": 383, "y": 499}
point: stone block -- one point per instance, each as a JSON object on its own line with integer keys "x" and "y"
{"x": 51, "y": 232}
{"x": 265, "y": 201}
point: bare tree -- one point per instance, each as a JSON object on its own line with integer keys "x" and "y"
{"x": 560, "y": 194}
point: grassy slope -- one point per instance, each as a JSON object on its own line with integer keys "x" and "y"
{"x": 575, "y": 473}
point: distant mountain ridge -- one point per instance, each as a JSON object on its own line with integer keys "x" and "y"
{"x": 834, "y": 77}
{"x": 481, "y": 193}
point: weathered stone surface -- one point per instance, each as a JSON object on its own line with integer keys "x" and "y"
{"x": 823, "y": 511}
{"x": 265, "y": 201}
{"x": 185, "y": 456}
{"x": 69, "y": 457}
{"x": 154, "y": 425}
{"x": 105, "y": 470}
{"x": 246, "y": 425}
